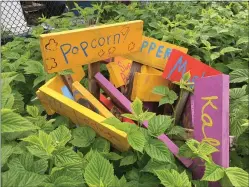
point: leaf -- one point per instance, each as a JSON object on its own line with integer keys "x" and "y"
{"x": 186, "y": 76}
{"x": 158, "y": 150}
{"x": 154, "y": 165}
{"x": 129, "y": 158}
{"x": 130, "y": 116}
{"x": 242, "y": 40}
{"x": 6, "y": 151}
{"x": 213, "y": 172}
{"x": 215, "y": 55}
{"x": 14, "y": 178}
{"x": 41, "y": 145}
{"x": 237, "y": 93}
{"x": 112, "y": 121}
{"x": 83, "y": 136}
{"x": 177, "y": 130}
{"x": 185, "y": 151}
{"x": 13, "y": 122}
{"x": 161, "y": 90}
{"x": 11, "y": 55}
{"x": 111, "y": 156}
{"x": 163, "y": 101}
{"x": 239, "y": 75}
{"x": 229, "y": 50}
{"x": 119, "y": 182}
{"x": 237, "y": 176}
{"x": 198, "y": 183}
{"x": 61, "y": 135}
{"x": 159, "y": 124}
{"x": 34, "y": 67}
{"x": 206, "y": 148}
{"x": 25, "y": 163}
{"x": 146, "y": 116}
{"x": 171, "y": 178}
{"x": 101, "y": 145}
{"x": 137, "y": 107}
{"x": 66, "y": 72}
{"x": 33, "y": 111}
{"x": 39, "y": 79}
{"x": 64, "y": 156}
{"x": 99, "y": 172}
{"x": 237, "y": 65}
{"x": 137, "y": 140}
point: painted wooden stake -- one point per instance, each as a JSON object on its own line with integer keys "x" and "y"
{"x": 126, "y": 105}
{"x": 211, "y": 117}
{"x": 179, "y": 63}
{"x": 93, "y": 86}
{"x": 154, "y": 53}
{"x": 79, "y": 114}
{"x": 136, "y": 67}
{"x": 67, "y": 49}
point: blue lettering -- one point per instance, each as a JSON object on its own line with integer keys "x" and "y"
{"x": 144, "y": 45}
{"x": 181, "y": 67}
{"x": 65, "y": 52}
{"x": 73, "y": 50}
{"x": 152, "y": 47}
{"x": 92, "y": 43}
{"x": 159, "y": 51}
{"x": 84, "y": 47}
{"x": 103, "y": 41}
{"x": 167, "y": 53}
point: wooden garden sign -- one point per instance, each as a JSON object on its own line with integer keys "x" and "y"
{"x": 72, "y": 49}
{"x": 67, "y": 49}
{"x": 211, "y": 115}
{"x": 154, "y": 53}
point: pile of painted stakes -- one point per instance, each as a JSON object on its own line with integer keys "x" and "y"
{"x": 136, "y": 64}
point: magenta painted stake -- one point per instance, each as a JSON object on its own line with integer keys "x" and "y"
{"x": 122, "y": 101}
{"x": 211, "y": 116}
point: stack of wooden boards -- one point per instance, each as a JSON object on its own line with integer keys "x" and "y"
{"x": 136, "y": 65}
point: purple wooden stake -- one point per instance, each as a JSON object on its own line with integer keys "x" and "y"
{"x": 211, "y": 117}
{"x": 126, "y": 105}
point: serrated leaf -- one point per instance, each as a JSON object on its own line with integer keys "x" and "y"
{"x": 33, "y": 111}
{"x": 83, "y": 136}
{"x": 101, "y": 145}
{"x": 185, "y": 151}
{"x": 111, "y": 156}
{"x": 129, "y": 158}
{"x": 198, "y": 183}
{"x": 137, "y": 107}
{"x": 61, "y": 135}
{"x": 119, "y": 182}
{"x": 34, "y": 67}
{"x": 41, "y": 145}
{"x": 229, "y": 50}
{"x": 237, "y": 176}
{"x": 161, "y": 90}
{"x": 146, "y": 116}
{"x": 66, "y": 72}
{"x": 159, "y": 124}
{"x": 186, "y": 76}
{"x": 171, "y": 178}
{"x": 99, "y": 172}
{"x": 213, "y": 172}
{"x": 154, "y": 165}
{"x": 64, "y": 156}
{"x": 6, "y": 151}
{"x": 158, "y": 150}
{"x": 242, "y": 40}
{"x": 215, "y": 55}
{"x": 13, "y": 122}
{"x": 206, "y": 148}
{"x": 177, "y": 130}
{"x": 38, "y": 80}
{"x": 238, "y": 65}
{"x": 239, "y": 75}
{"x": 13, "y": 178}
{"x": 130, "y": 116}
{"x": 137, "y": 140}
{"x": 25, "y": 162}
{"x": 112, "y": 121}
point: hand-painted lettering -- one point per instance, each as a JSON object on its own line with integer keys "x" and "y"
{"x": 95, "y": 43}
{"x": 103, "y": 39}
{"x": 65, "y": 52}
{"x": 207, "y": 121}
{"x": 152, "y": 47}
{"x": 181, "y": 67}
{"x": 84, "y": 48}
{"x": 167, "y": 53}
{"x": 144, "y": 45}
{"x": 159, "y": 51}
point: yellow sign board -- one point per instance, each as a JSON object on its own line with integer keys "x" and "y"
{"x": 78, "y": 73}
{"x": 119, "y": 71}
{"x": 143, "y": 85}
{"x": 67, "y": 49}
{"x": 80, "y": 90}
{"x": 154, "y": 53}
{"x": 56, "y": 102}
{"x": 150, "y": 70}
